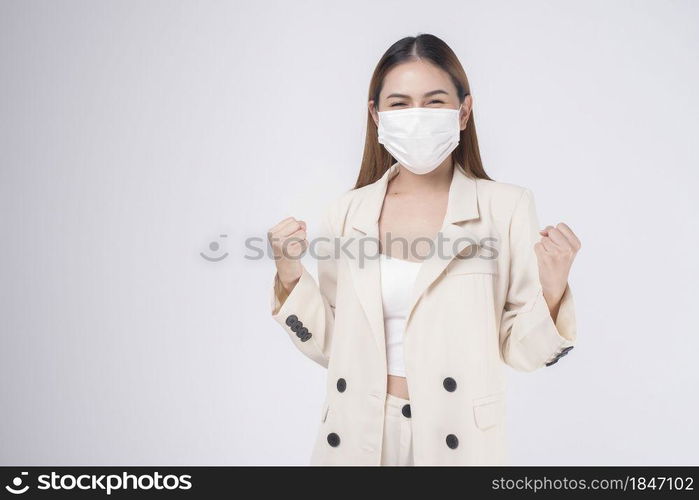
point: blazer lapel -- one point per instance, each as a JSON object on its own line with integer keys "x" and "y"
{"x": 462, "y": 206}
{"x": 363, "y": 245}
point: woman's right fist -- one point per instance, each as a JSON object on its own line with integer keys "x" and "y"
{"x": 289, "y": 243}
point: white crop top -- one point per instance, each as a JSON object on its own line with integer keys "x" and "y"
{"x": 397, "y": 280}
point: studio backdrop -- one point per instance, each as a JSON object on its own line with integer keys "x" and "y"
{"x": 147, "y": 147}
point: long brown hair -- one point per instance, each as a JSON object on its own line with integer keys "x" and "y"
{"x": 376, "y": 160}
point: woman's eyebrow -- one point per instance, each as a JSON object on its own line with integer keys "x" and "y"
{"x": 428, "y": 94}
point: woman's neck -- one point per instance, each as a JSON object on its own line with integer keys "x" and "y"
{"x": 437, "y": 180}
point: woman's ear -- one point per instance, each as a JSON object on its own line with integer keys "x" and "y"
{"x": 466, "y": 111}
{"x": 373, "y": 112}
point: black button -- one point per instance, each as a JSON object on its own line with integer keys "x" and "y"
{"x": 452, "y": 441}
{"x": 306, "y": 337}
{"x": 291, "y": 319}
{"x": 296, "y": 326}
{"x": 333, "y": 439}
{"x": 341, "y": 384}
{"x": 555, "y": 360}
{"x": 449, "y": 384}
{"x": 301, "y": 332}
{"x": 406, "y": 410}
{"x": 568, "y": 348}
{"x": 562, "y": 353}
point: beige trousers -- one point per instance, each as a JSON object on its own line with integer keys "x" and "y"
{"x": 397, "y": 447}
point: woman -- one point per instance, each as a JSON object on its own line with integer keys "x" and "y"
{"x": 431, "y": 277}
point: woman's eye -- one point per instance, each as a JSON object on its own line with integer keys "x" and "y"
{"x": 433, "y": 101}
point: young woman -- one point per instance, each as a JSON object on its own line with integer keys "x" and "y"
{"x": 431, "y": 278}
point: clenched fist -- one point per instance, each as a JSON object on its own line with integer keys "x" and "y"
{"x": 289, "y": 243}
{"x": 555, "y": 253}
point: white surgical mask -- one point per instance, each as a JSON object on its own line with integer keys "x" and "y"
{"x": 420, "y": 139}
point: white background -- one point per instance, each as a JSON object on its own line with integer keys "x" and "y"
{"x": 134, "y": 133}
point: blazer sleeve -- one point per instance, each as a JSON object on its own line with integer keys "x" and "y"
{"x": 307, "y": 314}
{"x": 529, "y": 337}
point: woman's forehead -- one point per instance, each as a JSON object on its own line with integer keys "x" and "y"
{"x": 416, "y": 78}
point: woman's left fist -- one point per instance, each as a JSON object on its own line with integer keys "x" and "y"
{"x": 555, "y": 253}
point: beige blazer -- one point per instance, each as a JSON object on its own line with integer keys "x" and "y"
{"x": 468, "y": 318}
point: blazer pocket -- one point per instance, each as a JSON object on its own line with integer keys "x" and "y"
{"x": 489, "y": 410}
{"x": 471, "y": 265}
